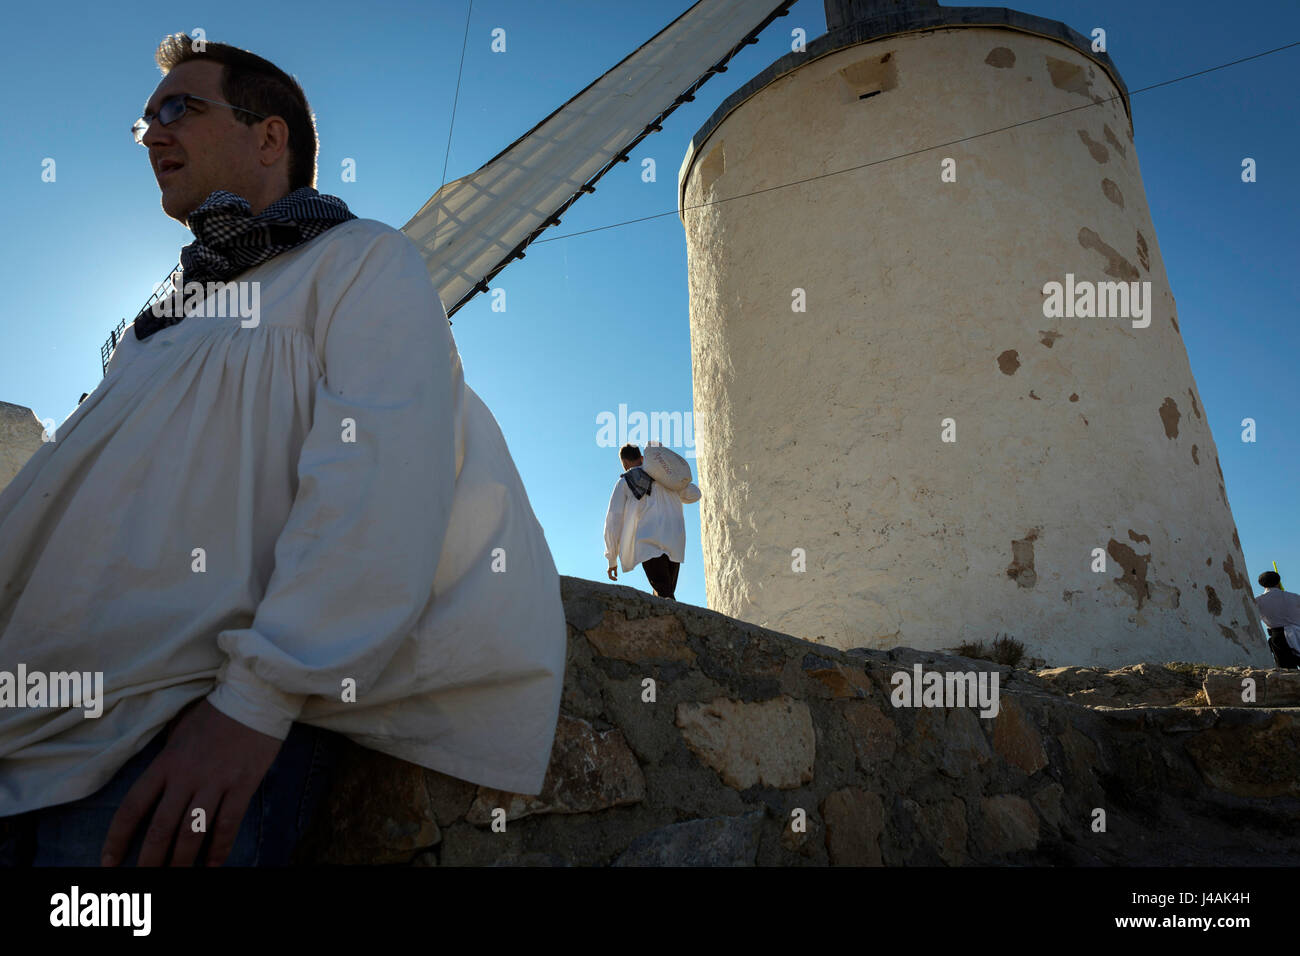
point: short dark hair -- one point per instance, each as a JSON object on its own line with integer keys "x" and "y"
{"x": 1270, "y": 579}
{"x": 259, "y": 85}
{"x": 629, "y": 452}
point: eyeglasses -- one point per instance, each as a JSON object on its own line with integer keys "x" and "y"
{"x": 172, "y": 109}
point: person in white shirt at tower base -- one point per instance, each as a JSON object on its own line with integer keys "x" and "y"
{"x": 644, "y": 524}
{"x": 1280, "y": 611}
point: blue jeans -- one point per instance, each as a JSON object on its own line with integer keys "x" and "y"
{"x": 73, "y": 834}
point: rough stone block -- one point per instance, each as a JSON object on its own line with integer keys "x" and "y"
{"x": 1282, "y": 689}
{"x": 943, "y": 825}
{"x": 874, "y": 735}
{"x": 714, "y": 841}
{"x": 1016, "y": 739}
{"x": 378, "y": 811}
{"x": 1048, "y": 802}
{"x": 1010, "y": 824}
{"x": 769, "y": 742}
{"x": 589, "y": 770}
{"x": 659, "y": 638}
{"x": 1254, "y": 759}
{"x": 855, "y": 818}
{"x": 1225, "y": 689}
{"x": 949, "y": 739}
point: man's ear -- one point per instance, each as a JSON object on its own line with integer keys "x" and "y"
{"x": 275, "y": 140}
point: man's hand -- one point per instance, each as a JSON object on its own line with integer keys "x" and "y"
{"x": 613, "y": 573}
{"x": 210, "y": 762}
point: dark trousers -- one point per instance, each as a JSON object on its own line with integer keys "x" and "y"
{"x": 1282, "y": 653}
{"x": 662, "y": 575}
{"x": 72, "y": 834}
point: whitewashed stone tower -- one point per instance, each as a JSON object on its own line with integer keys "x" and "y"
{"x": 20, "y": 438}
{"x": 844, "y": 327}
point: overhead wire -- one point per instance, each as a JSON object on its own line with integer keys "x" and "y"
{"x": 914, "y": 152}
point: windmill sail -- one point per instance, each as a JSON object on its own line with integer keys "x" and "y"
{"x": 476, "y": 225}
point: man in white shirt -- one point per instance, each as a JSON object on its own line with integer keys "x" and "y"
{"x": 644, "y": 525}
{"x": 261, "y": 535}
{"x": 1280, "y": 612}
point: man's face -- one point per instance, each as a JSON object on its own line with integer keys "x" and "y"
{"x": 214, "y": 148}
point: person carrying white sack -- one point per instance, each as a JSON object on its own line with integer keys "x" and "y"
{"x": 644, "y": 524}
{"x": 1280, "y": 611}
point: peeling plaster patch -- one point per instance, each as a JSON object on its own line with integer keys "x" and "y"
{"x": 1067, "y": 596}
{"x": 1252, "y": 613}
{"x": 1144, "y": 254}
{"x": 1220, "y": 467}
{"x": 1000, "y": 57}
{"x": 1098, "y": 151}
{"x": 1173, "y": 317}
{"x": 1235, "y": 539}
{"x": 871, "y": 76}
{"x": 1169, "y": 414}
{"x": 1196, "y": 458}
{"x": 1114, "y": 140}
{"x": 1196, "y": 408}
{"x": 1223, "y": 494}
{"x": 1049, "y": 337}
{"x": 1238, "y": 581}
{"x": 1033, "y": 396}
{"x": 1165, "y": 595}
{"x": 1112, "y": 193}
{"x": 1134, "y": 579}
{"x": 1074, "y": 396}
{"x": 1009, "y": 361}
{"x": 1212, "y": 602}
{"x": 1067, "y": 76}
{"x": 1116, "y": 265}
{"x": 1022, "y": 560}
{"x": 1230, "y": 635}
{"x": 713, "y": 166}
{"x": 1138, "y": 537}
{"x": 1208, "y": 562}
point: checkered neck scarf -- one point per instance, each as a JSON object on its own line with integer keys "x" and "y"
{"x": 638, "y": 481}
{"x": 229, "y": 240}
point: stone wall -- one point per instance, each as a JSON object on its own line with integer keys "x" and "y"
{"x": 748, "y": 727}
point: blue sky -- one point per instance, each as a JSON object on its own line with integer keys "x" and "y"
{"x": 602, "y": 319}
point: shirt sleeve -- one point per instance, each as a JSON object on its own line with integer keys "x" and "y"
{"x": 614, "y": 522}
{"x": 355, "y": 562}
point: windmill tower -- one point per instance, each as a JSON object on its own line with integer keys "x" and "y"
{"x": 887, "y": 393}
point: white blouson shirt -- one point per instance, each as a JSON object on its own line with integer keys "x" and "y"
{"x": 267, "y": 515}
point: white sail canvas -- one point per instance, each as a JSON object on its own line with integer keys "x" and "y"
{"x": 474, "y": 225}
